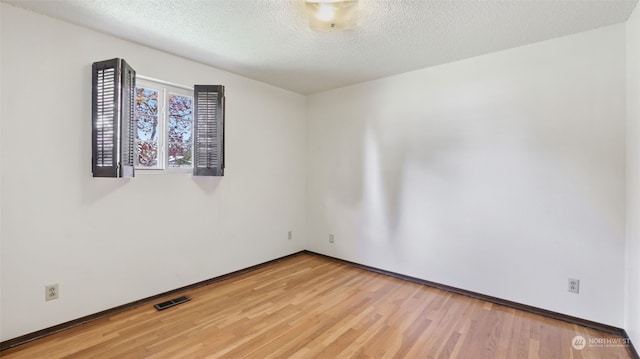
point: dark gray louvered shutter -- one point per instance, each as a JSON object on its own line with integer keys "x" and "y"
{"x": 208, "y": 131}
{"x": 112, "y": 125}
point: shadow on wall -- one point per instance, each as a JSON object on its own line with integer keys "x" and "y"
{"x": 382, "y": 178}
{"x": 94, "y": 189}
{"x": 475, "y": 177}
{"x": 207, "y": 184}
{"x": 391, "y": 156}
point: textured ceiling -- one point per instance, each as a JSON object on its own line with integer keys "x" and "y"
{"x": 269, "y": 40}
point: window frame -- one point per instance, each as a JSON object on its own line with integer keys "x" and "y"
{"x": 165, "y": 89}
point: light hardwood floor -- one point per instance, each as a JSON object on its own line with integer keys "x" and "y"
{"x": 308, "y": 306}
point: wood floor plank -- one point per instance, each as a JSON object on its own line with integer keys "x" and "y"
{"x": 308, "y": 306}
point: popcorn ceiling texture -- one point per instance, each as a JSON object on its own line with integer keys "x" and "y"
{"x": 269, "y": 40}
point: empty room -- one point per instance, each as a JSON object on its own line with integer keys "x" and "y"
{"x": 319, "y": 179}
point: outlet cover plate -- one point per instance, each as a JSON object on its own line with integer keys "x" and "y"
{"x": 51, "y": 292}
{"x": 574, "y": 285}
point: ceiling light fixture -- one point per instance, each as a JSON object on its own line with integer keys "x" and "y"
{"x": 332, "y": 15}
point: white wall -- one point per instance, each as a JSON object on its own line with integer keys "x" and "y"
{"x": 632, "y": 315}
{"x": 163, "y": 231}
{"x": 503, "y": 174}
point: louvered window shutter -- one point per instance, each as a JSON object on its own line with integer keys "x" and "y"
{"x": 208, "y": 146}
{"x": 113, "y": 97}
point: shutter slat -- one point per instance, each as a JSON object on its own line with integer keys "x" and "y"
{"x": 208, "y": 130}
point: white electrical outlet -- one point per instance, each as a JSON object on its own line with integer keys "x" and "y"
{"x": 331, "y": 239}
{"x": 290, "y": 235}
{"x": 51, "y": 292}
{"x": 574, "y": 285}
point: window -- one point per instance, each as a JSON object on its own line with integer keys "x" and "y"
{"x": 164, "y": 126}
{"x": 148, "y": 124}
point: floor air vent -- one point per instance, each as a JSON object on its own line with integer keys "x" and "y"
{"x": 171, "y": 303}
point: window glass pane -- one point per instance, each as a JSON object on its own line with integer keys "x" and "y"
{"x": 146, "y": 116}
{"x": 179, "y": 131}
{"x": 146, "y": 101}
{"x": 180, "y": 107}
{"x": 179, "y": 126}
{"x": 147, "y": 128}
{"x": 180, "y": 154}
{"x": 147, "y": 154}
